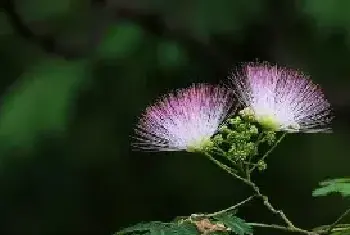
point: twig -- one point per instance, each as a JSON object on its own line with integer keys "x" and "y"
{"x": 256, "y": 190}
{"x": 270, "y": 150}
{"x": 231, "y": 208}
{"x": 287, "y": 229}
{"x": 332, "y": 226}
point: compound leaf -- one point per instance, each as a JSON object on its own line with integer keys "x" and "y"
{"x": 237, "y": 225}
{"x": 141, "y": 228}
{"x": 160, "y": 228}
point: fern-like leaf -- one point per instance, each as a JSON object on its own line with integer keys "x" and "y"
{"x": 341, "y": 185}
{"x": 160, "y": 228}
{"x": 226, "y": 223}
{"x": 237, "y": 225}
{"x": 183, "y": 229}
{"x": 142, "y": 228}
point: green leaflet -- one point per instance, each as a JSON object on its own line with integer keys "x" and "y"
{"x": 159, "y": 228}
{"x": 182, "y": 229}
{"x": 238, "y": 226}
{"x": 229, "y": 220}
{"x": 140, "y": 228}
{"x": 341, "y": 185}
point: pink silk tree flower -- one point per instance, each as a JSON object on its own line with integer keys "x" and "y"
{"x": 282, "y": 99}
{"x": 183, "y": 120}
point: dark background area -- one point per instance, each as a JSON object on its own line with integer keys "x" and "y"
{"x": 75, "y": 75}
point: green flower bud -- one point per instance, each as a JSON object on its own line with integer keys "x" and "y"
{"x": 241, "y": 127}
{"x": 218, "y": 139}
{"x": 233, "y": 148}
{"x": 253, "y": 130}
{"x": 243, "y": 158}
{"x": 235, "y": 121}
{"x": 262, "y": 165}
{"x": 224, "y": 129}
{"x": 270, "y": 137}
{"x": 246, "y": 135}
{"x": 250, "y": 146}
{"x": 240, "y": 138}
{"x": 232, "y": 136}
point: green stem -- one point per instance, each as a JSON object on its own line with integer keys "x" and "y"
{"x": 231, "y": 208}
{"x": 270, "y": 150}
{"x": 247, "y": 172}
{"x": 332, "y": 226}
{"x": 275, "y": 226}
{"x": 257, "y": 193}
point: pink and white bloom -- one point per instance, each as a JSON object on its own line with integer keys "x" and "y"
{"x": 282, "y": 98}
{"x": 184, "y": 119}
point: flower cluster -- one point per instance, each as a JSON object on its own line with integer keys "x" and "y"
{"x": 204, "y": 118}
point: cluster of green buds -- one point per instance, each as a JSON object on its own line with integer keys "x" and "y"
{"x": 239, "y": 138}
{"x": 234, "y": 139}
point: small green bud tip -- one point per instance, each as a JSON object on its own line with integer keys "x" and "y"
{"x": 218, "y": 138}
{"x": 242, "y": 155}
{"x": 253, "y": 130}
{"x": 224, "y": 129}
{"x": 200, "y": 146}
{"x": 250, "y": 145}
{"x": 242, "y": 127}
{"x": 262, "y": 165}
{"x": 231, "y": 136}
{"x": 235, "y": 121}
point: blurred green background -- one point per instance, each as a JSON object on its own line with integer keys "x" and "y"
{"x": 75, "y": 75}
